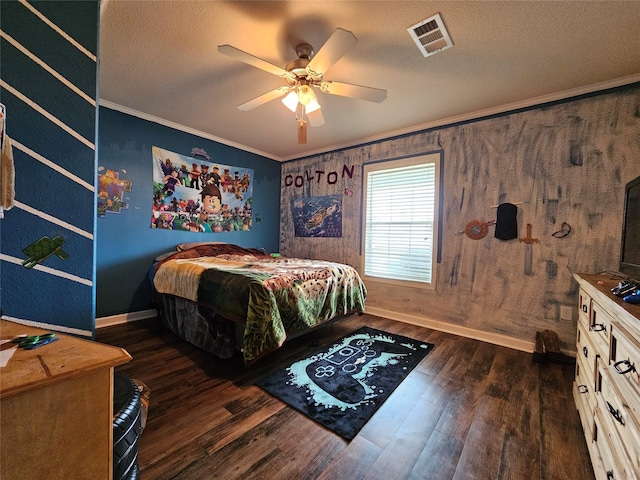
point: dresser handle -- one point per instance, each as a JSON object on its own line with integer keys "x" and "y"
{"x": 583, "y": 389}
{"x": 585, "y": 351}
{"x": 615, "y": 413}
{"x": 630, "y": 367}
{"x": 610, "y": 475}
{"x": 597, "y": 327}
{"x": 585, "y": 309}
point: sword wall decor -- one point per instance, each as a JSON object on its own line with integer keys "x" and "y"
{"x": 528, "y": 240}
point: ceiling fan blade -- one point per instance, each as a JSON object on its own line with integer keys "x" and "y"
{"x": 355, "y": 91}
{"x": 254, "y": 61}
{"x": 264, "y": 98}
{"x": 339, "y": 43}
{"x": 316, "y": 118}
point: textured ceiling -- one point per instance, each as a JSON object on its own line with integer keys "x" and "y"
{"x": 159, "y": 60}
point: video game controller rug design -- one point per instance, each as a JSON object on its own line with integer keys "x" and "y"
{"x": 342, "y": 385}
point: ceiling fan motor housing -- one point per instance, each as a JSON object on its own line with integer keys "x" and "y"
{"x": 299, "y": 67}
{"x": 304, "y": 50}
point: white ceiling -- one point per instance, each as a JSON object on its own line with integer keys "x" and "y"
{"x": 159, "y": 60}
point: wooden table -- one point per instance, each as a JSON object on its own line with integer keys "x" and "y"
{"x": 56, "y": 408}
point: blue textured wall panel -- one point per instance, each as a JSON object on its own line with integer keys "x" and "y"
{"x": 53, "y": 193}
{"x": 55, "y": 167}
{"x": 52, "y": 95}
{"x": 50, "y": 47}
{"x": 47, "y": 299}
{"x": 70, "y": 16}
{"x": 49, "y": 140}
{"x": 26, "y": 228}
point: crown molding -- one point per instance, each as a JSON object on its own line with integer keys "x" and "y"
{"x": 182, "y": 128}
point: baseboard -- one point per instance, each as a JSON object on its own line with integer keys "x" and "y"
{"x": 125, "y": 318}
{"x": 49, "y": 326}
{"x": 494, "y": 338}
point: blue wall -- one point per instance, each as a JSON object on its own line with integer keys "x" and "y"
{"x": 48, "y": 85}
{"x": 126, "y": 244}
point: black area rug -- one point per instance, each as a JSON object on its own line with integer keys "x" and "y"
{"x": 342, "y": 385}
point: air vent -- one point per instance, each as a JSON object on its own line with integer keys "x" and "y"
{"x": 430, "y": 35}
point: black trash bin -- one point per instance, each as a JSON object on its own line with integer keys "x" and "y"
{"x": 127, "y": 427}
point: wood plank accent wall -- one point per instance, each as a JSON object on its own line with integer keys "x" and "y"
{"x": 567, "y": 162}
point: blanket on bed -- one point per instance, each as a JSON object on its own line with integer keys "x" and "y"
{"x": 273, "y": 297}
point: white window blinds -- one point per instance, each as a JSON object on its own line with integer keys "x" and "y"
{"x": 400, "y": 219}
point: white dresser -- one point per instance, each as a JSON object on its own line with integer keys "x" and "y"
{"x": 607, "y": 382}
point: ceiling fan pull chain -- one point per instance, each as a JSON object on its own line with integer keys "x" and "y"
{"x": 302, "y": 132}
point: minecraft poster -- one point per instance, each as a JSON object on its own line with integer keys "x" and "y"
{"x": 317, "y": 216}
{"x": 199, "y": 194}
{"x": 111, "y": 189}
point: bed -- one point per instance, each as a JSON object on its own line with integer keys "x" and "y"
{"x": 223, "y": 297}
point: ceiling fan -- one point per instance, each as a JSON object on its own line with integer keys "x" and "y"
{"x": 304, "y": 75}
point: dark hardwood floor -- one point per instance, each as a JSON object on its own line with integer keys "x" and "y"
{"x": 470, "y": 410}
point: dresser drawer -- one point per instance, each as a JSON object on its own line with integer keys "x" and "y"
{"x": 600, "y": 327}
{"x": 587, "y": 357}
{"x": 585, "y": 403}
{"x": 612, "y": 461}
{"x": 619, "y": 422}
{"x": 624, "y": 362}
{"x": 585, "y": 380}
{"x": 584, "y": 308}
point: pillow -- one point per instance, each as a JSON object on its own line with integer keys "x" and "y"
{"x": 185, "y": 246}
{"x": 216, "y": 249}
{"x": 164, "y": 255}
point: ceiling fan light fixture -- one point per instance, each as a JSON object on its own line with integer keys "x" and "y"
{"x": 291, "y": 101}
{"x": 303, "y": 95}
{"x": 306, "y": 95}
{"x": 312, "y": 106}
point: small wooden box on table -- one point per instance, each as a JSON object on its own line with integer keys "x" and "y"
{"x": 607, "y": 381}
{"x": 56, "y": 408}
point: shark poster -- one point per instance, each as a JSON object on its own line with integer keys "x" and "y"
{"x": 317, "y": 216}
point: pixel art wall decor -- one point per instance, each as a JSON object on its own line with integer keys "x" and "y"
{"x": 111, "y": 190}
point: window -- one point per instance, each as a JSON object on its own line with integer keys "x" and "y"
{"x": 400, "y": 220}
